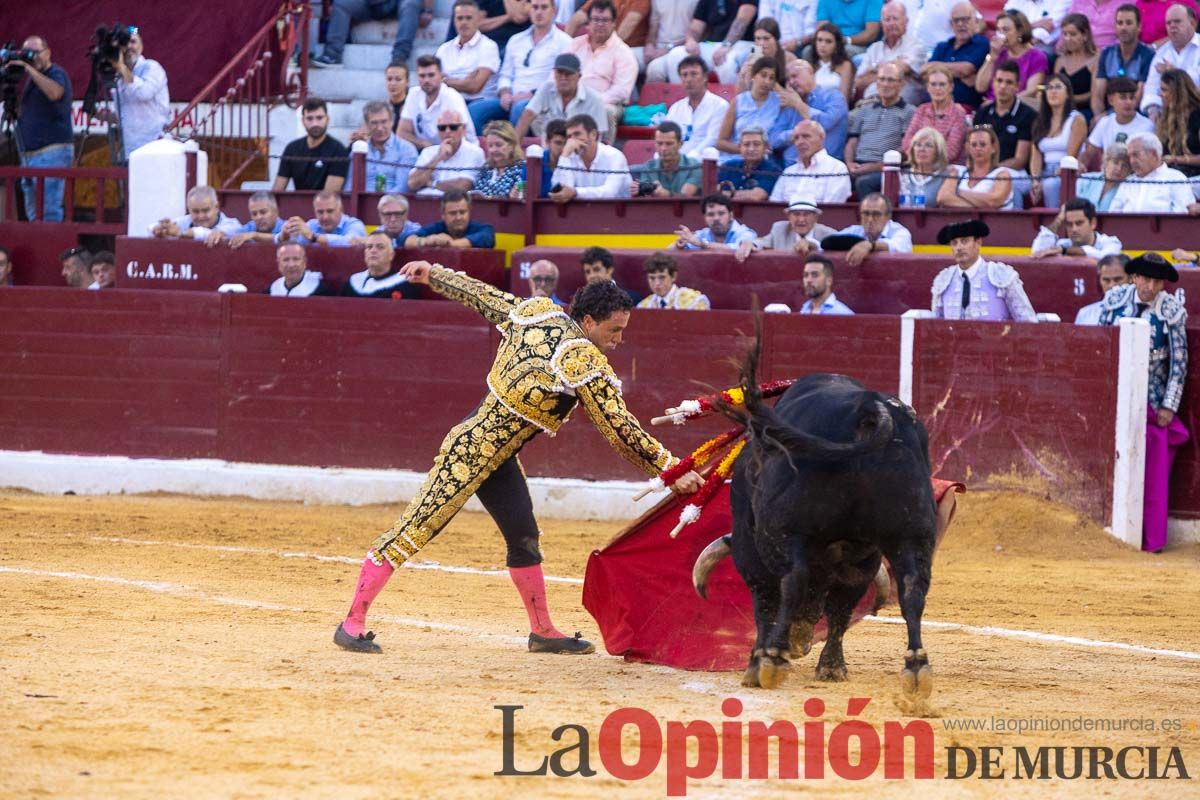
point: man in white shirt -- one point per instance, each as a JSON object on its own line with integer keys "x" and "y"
{"x": 609, "y": 68}
{"x": 588, "y": 169}
{"x": 816, "y": 174}
{"x": 699, "y": 115}
{"x": 929, "y": 21}
{"x": 143, "y": 101}
{"x": 470, "y": 61}
{"x": 1118, "y": 125}
{"x": 1078, "y": 219}
{"x": 898, "y": 47}
{"x": 1045, "y": 17}
{"x": 1153, "y": 188}
{"x": 204, "y": 222}
{"x": 1181, "y": 50}
{"x": 797, "y": 21}
{"x": 419, "y": 117}
{"x": 562, "y": 97}
{"x": 1110, "y": 272}
{"x": 668, "y": 26}
{"x": 528, "y": 59}
{"x": 449, "y": 165}
{"x": 879, "y": 232}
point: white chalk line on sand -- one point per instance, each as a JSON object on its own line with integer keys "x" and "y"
{"x": 978, "y": 630}
{"x": 196, "y": 593}
{"x": 221, "y": 548}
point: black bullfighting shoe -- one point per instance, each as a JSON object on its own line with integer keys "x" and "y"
{"x": 571, "y": 645}
{"x": 363, "y": 643}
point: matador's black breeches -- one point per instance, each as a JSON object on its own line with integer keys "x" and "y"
{"x": 477, "y": 457}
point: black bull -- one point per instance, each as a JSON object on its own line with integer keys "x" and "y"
{"x": 832, "y": 477}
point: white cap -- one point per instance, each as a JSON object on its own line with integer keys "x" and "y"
{"x": 777, "y": 308}
{"x": 803, "y": 204}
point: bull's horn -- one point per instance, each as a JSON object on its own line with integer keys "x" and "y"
{"x": 712, "y": 555}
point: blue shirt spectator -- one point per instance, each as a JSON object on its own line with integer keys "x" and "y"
{"x": 975, "y": 50}
{"x": 250, "y": 227}
{"x": 748, "y": 114}
{"x": 739, "y": 176}
{"x": 479, "y": 234}
{"x": 44, "y": 122}
{"x": 47, "y": 139}
{"x": 831, "y": 306}
{"x": 1137, "y": 68}
{"x": 393, "y": 163}
{"x": 827, "y": 107}
{"x": 736, "y": 234}
{"x": 851, "y": 16}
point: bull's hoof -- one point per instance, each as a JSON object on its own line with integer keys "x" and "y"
{"x": 773, "y": 667}
{"x": 800, "y": 637}
{"x": 750, "y": 677}
{"x": 831, "y": 672}
{"x": 916, "y": 685}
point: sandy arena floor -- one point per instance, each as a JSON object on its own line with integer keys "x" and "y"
{"x": 174, "y": 647}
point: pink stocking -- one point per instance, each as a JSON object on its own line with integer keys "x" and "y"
{"x": 532, "y": 587}
{"x": 371, "y": 581}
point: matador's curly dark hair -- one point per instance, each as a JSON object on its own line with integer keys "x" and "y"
{"x": 599, "y": 300}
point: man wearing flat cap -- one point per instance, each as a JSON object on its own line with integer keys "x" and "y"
{"x": 1145, "y": 298}
{"x": 975, "y": 289}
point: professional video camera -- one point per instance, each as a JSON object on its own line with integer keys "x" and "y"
{"x": 9, "y": 53}
{"x": 107, "y": 46}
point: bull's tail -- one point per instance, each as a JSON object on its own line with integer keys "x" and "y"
{"x": 875, "y": 428}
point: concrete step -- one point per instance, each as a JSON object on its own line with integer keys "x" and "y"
{"x": 367, "y": 56}
{"x": 347, "y": 84}
{"x": 383, "y": 31}
{"x": 346, "y": 114}
{"x": 342, "y": 134}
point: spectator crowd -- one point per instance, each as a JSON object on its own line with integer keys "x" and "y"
{"x": 801, "y": 98}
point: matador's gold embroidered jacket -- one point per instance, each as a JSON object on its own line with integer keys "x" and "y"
{"x": 545, "y": 363}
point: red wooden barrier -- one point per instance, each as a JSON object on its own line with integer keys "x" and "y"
{"x": 1010, "y": 399}
{"x": 884, "y": 284}
{"x": 184, "y": 264}
{"x": 333, "y": 381}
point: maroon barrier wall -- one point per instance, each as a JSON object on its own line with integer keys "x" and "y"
{"x": 1001, "y": 398}
{"x": 333, "y": 381}
{"x": 183, "y": 264}
{"x": 35, "y": 257}
{"x": 884, "y": 284}
{"x": 129, "y": 373}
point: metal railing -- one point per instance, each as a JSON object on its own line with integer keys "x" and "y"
{"x": 108, "y": 184}
{"x": 230, "y": 117}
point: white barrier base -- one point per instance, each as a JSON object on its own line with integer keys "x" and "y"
{"x": 553, "y": 498}
{"x": 1182, "y": 531}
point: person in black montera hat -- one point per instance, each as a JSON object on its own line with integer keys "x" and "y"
{"x": 975, "y": 289}
{"x": 1146, "y": 299}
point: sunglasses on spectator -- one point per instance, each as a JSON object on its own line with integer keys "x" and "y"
{"x": 452, "y": 127}
{"x": 540, "y": 280}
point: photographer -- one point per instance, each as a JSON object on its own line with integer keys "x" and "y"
{"x": 46, "y": 135}
{"x": 142, "y": 102}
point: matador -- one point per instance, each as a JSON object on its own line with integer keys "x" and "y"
{"x": 548, "y": 361}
